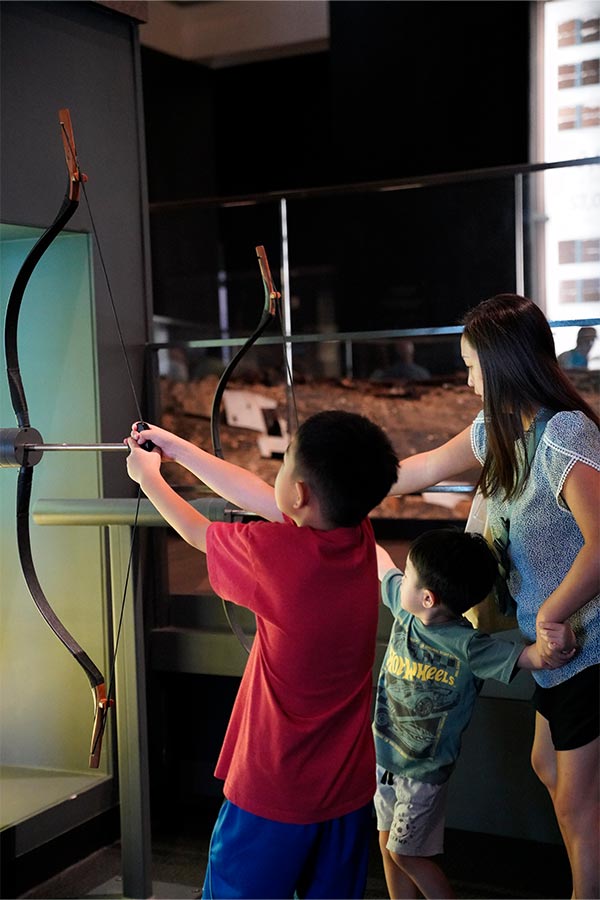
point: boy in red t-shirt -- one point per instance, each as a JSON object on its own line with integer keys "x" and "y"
{"x": 298, "y": 758}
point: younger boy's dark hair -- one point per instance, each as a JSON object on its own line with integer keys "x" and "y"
{"x": 348, "y": 462}
{"x": 457, "y": 566}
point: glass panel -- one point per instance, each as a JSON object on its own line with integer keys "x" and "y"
{"x": 223, "y": 296}
{"x": 377, "y": 283}
{"x": 566, "y": 242}
{"x": 379, "y": 279}
{"x": 409, "y": 258}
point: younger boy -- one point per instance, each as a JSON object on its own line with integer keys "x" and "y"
{"x": 431, "y": 675}
{"x": 298, "y": 757}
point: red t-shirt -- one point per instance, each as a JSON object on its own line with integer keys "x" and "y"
{"x": 299, "y": 746}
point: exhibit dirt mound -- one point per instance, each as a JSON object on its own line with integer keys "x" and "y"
{"x": 416, "y": 417}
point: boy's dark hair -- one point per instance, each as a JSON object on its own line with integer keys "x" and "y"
{"x": 348, "y": 462}
{"x": 457, "y": 566}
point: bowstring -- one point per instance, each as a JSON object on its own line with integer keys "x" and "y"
{"x": 290, "y": 381}
{"x": 111, "y": 678}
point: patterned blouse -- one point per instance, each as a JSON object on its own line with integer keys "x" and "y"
{"x": 544, "y": 536}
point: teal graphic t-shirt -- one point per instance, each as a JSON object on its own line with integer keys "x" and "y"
{"x": 429, "y": 680}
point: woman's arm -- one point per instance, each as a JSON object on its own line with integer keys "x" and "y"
{"x": 232, "y": 482}
{"x": 384, "y": 562}
{"x": 581, "y": 493}
{"x": 428, "y": 468}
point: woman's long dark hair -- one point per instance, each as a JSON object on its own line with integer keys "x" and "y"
{"x": 520, "y": 373}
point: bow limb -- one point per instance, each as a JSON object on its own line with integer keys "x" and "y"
{"x": 268, "y": 313}
{"x": 11, "y": 322}
{"x": 19, "y": 403}
{"x": 94, "y": 675}
{"x": 11, "y": 325}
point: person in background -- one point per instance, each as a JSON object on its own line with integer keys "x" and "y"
{"x": 298, "y": 758}
{"x": 431, "y": 675}
{"x": 548, "y": 507}
{"x": 577, "y": 358}
{"x": 403, "y": 366}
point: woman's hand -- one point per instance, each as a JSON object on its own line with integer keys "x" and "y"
{"x": 556, "y": 642}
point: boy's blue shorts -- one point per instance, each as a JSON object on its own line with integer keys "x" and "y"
{"x": 251, "y": 857}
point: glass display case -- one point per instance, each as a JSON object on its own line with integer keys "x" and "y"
{"x": 45, "y": 699}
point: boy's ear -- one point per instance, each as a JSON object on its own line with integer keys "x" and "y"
{"x": 429, "y": 599}
{"x": 301, "y": 494}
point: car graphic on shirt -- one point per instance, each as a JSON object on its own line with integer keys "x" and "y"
{"x": 411, "y": 735}
{"x": 420, "y": 698}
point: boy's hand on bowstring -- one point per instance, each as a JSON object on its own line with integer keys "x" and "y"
{"x": 556, "y": 642}
{"x": 141, "y": 463}
{"x": 164, "y": 440}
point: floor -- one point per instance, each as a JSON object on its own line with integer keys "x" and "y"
{"x": 478, "y": 866}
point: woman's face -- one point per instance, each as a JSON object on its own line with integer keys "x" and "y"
{"x": 471, "y": 360}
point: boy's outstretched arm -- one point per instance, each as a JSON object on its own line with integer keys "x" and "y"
{"x": 232, "y": 482}
{"x": 144, "y": 468}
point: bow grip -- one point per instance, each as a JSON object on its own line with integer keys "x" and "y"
{"x": 147, "y": 445}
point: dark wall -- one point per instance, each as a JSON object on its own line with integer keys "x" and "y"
{"x": 178, "y": 111}
{"x": 407, "y": 88}
{"x": 424, "y": 87}
{"x": 421, "y": 88}
{"x": 274, "y": 125}
{"x": 180, "y": 137}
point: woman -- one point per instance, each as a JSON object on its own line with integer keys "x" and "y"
{"x": 552, "y": 502}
